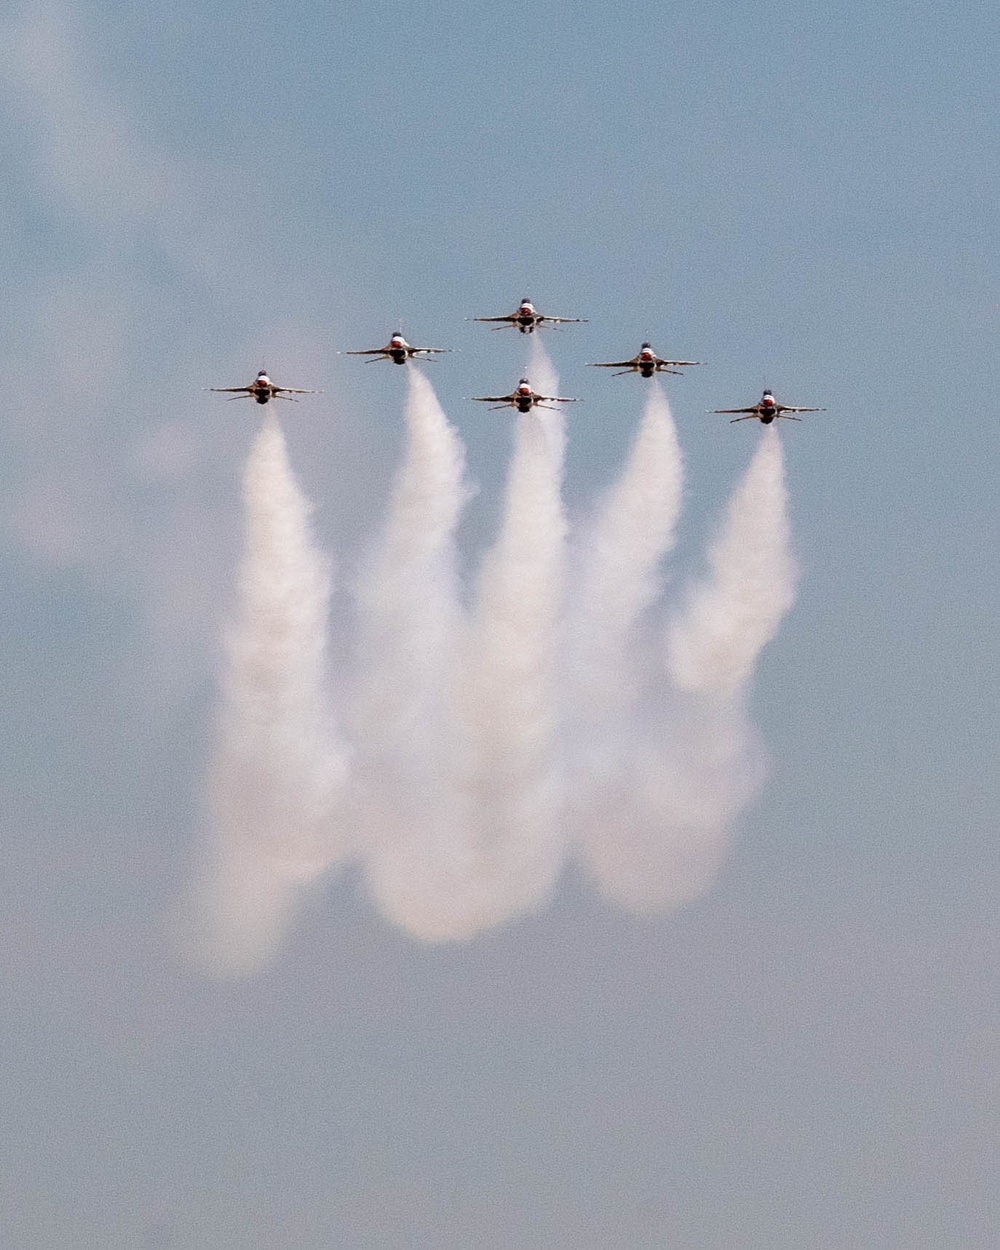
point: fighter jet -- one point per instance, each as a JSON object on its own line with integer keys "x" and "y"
{"x": 397, "y": 350}
{"x": 766, "y": 410}
{"x": 262, "y": 389}
{"x": 647, "y": 363}
{"x": 523, "y": 399}
{"x": 526, "y": 318}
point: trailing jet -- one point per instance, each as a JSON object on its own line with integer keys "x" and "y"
{"x": 262, "y": 389}
{"x": 526, "y": 318}
{"x": 766, "y": 410}
{"x": 647, "y": 363}
{"x": 523, "y": 399}
{"x": 397, "y": 350}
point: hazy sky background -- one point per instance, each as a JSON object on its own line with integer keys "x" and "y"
{"x": 806, "y": 1057}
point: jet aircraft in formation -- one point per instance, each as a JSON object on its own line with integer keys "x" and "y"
{"x": 647, "y": 363}
{"x": 766, "y": 409}
{"x": 523, "y": 399}
{"x": 262, "y": 389}
{"x": 397, "y": 350}
{"x": 527, "y": 318}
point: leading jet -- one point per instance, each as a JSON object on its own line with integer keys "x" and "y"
{"x": 523, "y": 399}
{"x": 397, "y": 350}
{"x": 766, "y": 410}
{"x": 527, "y": 318}
{"x": 262, "y": 389}
{"x": 647, "y": 363}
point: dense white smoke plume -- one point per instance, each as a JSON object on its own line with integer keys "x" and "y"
{"x": 508, "y": 693}
{"x": 622, "y": 553}
{"x": 407, "y": 801}
{"x": 456, "y": 714}
{"x": 688, "y": 761}
{"x": 714, "y": 644}
{"x": 559, "y": 713}
{"x": 279, "y": 768}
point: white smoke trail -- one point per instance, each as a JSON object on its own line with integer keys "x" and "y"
{"x": 278, "y": 769}
{"x": 622, "y": 551}
{"x": 509, "y": 694}
{"x": 660, "y": 833}
{"x": 658, "y": 826}
{"x": 545, "y": 380}
{"x": 406, "y": 800}
{"x": 714, "y": 645}
{"x": 458, "y": 787}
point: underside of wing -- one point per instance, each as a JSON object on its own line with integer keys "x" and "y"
{"x": 508, "y": 317}
{"x": 366, "y": 351}
{"x": 493, "y": 399}
{"x": 786, "y": 408}
{"x": 565, "y": 320}
{"x": 753, "y": 411}
{"x": 614, "y": 364}
{"x": 293, "y": 390}
{"x": 246, "y": 390}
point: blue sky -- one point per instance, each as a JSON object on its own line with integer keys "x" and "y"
{"x": 802, "y": 197}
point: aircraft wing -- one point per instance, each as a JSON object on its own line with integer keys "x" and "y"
{"x": 367, "y": 351}
{"x": 423, "y": 351}
{"x": 508, "y": 317}
{"x": 230, "y": 389}
{"x": 494, "y": 399}
{"x": 553, "y": 399}
{"x": 678, "y": 362}
{"x": 293, "y": 390}
{"x": 786, "y": 408}
{"x": 753, "y": 411}
{"x": 615, "y": 364}
{"x": 575, "y": 320}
